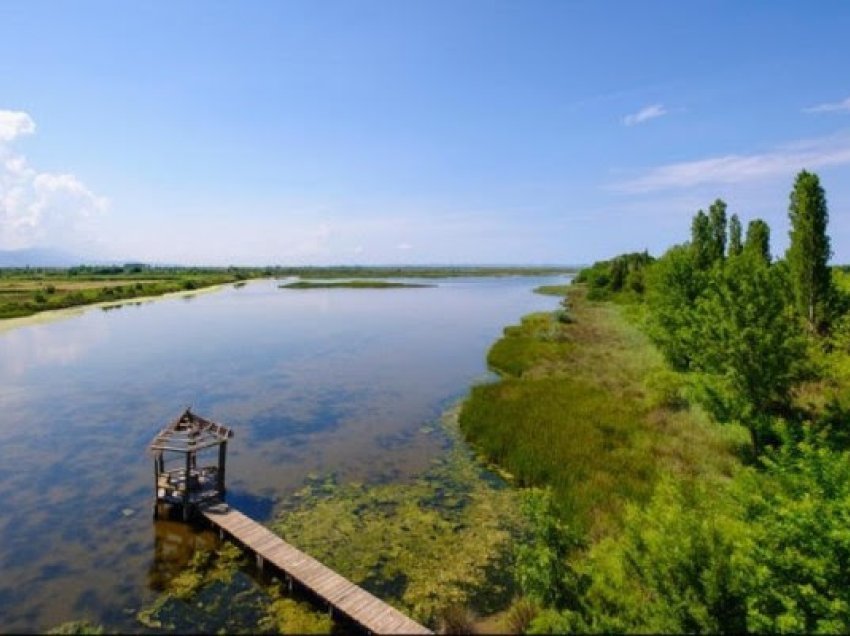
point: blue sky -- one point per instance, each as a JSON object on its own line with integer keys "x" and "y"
{"x": 412, "y": 132}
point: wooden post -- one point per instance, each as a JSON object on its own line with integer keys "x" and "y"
{"x": 222, "y": 458}
{"x": 186, "y": 487}
{"x": 155, "y": 488}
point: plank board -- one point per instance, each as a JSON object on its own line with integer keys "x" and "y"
{"x": 359, "y": 605}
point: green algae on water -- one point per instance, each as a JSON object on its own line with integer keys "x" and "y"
{"x": 214, "y": 594}
{"x": 443, "y": 541}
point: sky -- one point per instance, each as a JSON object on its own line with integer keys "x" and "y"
{"x": 453, "y": 132}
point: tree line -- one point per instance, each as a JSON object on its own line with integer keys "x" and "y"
{"x": 757, "y": 341}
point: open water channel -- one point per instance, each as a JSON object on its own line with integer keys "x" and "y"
{"x": 312, "y": 381}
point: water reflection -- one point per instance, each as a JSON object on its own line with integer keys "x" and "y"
{"x": 311, "y": 381}
{"x": 174, "y": 544}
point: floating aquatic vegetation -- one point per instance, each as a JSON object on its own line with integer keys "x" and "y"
{"x": 77, "y": 627}
{"x": 441, "y": 542}
{"x": 215, "y": 595}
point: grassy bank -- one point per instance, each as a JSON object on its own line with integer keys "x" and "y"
{"x": 24, "y": 295}
{"x": 351, "y": 284}
{"x": 588, "y": 406}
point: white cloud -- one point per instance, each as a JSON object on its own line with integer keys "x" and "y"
{"x": 404, "y": 246}
{"x": 782, "y": 161}
{"x": 40, "y": 208}
{"x": 832, "y": 107}
{"x": 645, "y": 114}
{"x": 14, "y": 123}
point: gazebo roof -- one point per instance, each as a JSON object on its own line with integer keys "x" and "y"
{"x": 189, "y": 433}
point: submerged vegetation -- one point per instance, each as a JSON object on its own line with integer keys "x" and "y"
{"x": 214, "y": 594}
{"x": 437, "y": 549}
{"x": 689, "y": 426}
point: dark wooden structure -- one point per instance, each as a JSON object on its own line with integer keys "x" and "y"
{"x": 188, "y": 482}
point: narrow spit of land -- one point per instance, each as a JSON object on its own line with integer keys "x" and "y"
{"x": 352, "y": 284}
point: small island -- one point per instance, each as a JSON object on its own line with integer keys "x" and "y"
{"x": 351, "y": 284}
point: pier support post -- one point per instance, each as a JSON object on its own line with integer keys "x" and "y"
{"x": 186, "y": 486}
{"x": 222, "y": 460}
{"x": 259, "y": 563}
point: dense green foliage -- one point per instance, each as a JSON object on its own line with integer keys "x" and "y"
{"x": 736, "y": 245}
{"x": 758, "y": 239}
{"x": 624, "y": 273}
{"x": 769, "y": 552}
{"x": 762, "y": 547}
{"x": 809, "y": 250}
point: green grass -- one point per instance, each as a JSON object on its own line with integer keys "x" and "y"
{"x": 590, "y": 409}
{"x": 552, "y": 290}
{"x": 350, "y": 284}
{"x": 23, "y": 292}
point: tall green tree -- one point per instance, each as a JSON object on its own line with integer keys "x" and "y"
{"x": 749, "y": 341}
{"x": 673, "y": 285}
{"x": 701, "y": 242}
{"x": 717, "y": 227}
{"x": 735, "y": 244}
{"x": 758, "y": 239}
{"x": 809, "y": 250}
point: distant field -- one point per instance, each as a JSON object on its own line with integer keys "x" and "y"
{"x": 27, "y": 292}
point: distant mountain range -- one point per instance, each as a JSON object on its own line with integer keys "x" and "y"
{"x": 40, "y": 257}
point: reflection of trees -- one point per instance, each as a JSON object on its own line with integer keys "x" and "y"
{"x": 174, "y": 545}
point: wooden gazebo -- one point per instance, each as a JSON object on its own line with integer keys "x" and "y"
{"x": 181, "y": 480}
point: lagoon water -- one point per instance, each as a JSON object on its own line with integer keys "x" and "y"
{"x": 313, "y": 382}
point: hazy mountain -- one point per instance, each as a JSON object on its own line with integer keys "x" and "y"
{"x": 39, "y": 257}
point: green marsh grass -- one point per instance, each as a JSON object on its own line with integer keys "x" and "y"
{"x": 591, "y": 409}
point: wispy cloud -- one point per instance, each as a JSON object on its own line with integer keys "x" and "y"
{"x": 39, "y": 208}
{"x": 781, "y": 161}
{"x": 831, "y": 107}
{"x": 645, "y": 114}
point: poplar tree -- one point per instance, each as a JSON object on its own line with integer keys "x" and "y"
{"x": 809, "y": 249}
{"x": 717, "y": 230}
{"x": 735, "y": 244}
{"x": 758, "y": 239}
{"x": 701, "y": 240}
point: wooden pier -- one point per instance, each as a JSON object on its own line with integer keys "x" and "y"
{"x": 360, "y": 606}
{"x": 198, "y": 489}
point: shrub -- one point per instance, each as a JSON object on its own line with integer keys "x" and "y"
{"x": 457, "y": 619}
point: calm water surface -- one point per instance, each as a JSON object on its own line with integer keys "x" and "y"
{"x": 312, "y": 381}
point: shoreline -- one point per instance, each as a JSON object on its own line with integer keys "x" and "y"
{"x": 53, "y": 315}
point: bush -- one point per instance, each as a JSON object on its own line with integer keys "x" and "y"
{"x": 457, "y": 619}
{"x": 520, "y": 615}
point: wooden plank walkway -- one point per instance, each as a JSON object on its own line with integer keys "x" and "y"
{"x": 359, "y": 605}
